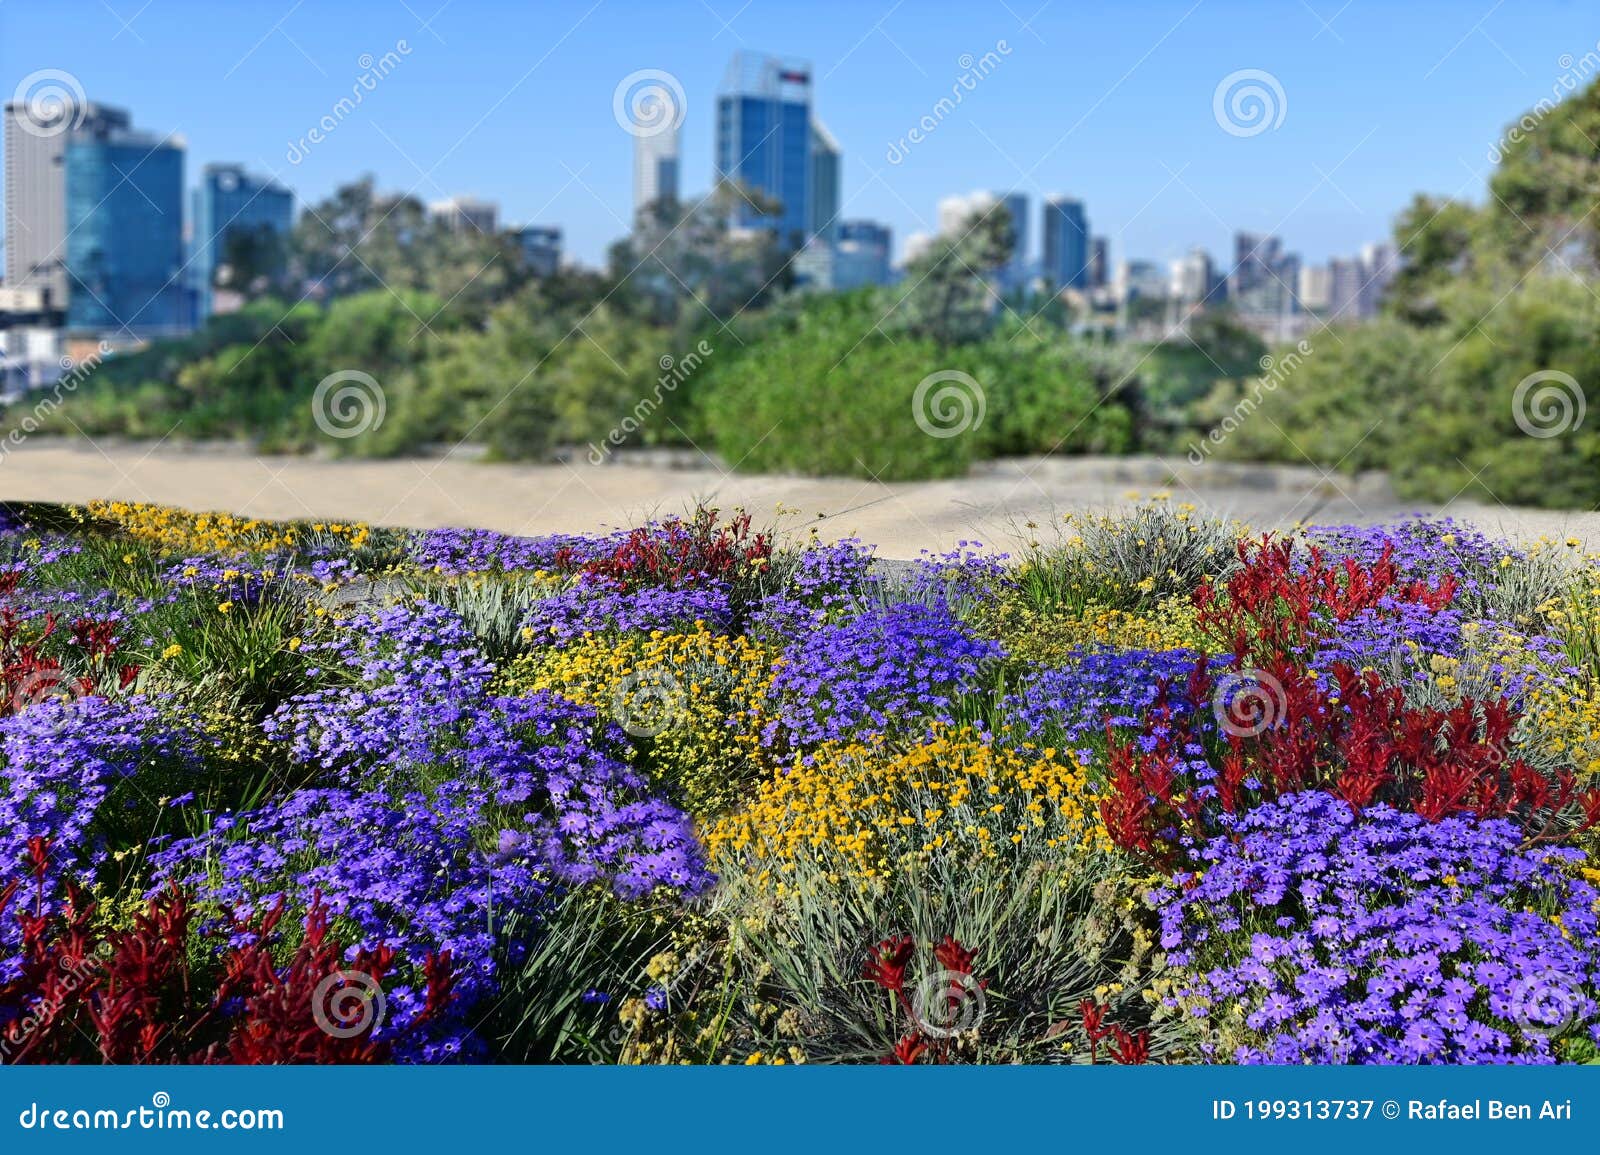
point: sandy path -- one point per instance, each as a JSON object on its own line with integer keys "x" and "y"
{"x": 993, "y": 505}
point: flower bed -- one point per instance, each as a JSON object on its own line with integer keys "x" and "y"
{"x": 327, "y": 793}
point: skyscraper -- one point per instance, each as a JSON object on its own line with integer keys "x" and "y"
{"x": 35, "y": 190}
{"x": 826, "y": 159}
{"x": 764, "y": 142}
{"x": 1066, "y": 244}
{"x": 124, "y": 232}
{"x": 1316, "y": 288}
{"x": 1344, "y": 289}
{"x": 239, "y": 217}
{"x": 1378, "y": 267}
{"x": 1264, "y": 278}
{"x": 1015, "y": 273}
{"x": 861, "y": 254}
{"x": 957, "y": 214}
{"x": 1192, "y": 278}
{"x": 1099, "y": 262}
{"x": 655, "y": 161}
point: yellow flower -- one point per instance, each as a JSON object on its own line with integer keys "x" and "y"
{"x": 172, "y": 651}
{"x": 858, "y": 808}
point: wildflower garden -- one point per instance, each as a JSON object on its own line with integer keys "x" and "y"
{"x": 1157, "y": 789}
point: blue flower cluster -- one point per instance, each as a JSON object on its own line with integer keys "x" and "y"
{"x": 447, "y": 814}
{"x": 890, "y": 668}
{"x": 1313, "y": 934}
{"x": 62, "y": 761}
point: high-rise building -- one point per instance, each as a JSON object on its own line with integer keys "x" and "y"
{"x": 1066, "y": 244}
{"x": 1015, "y": 273}
{"x": 467, "y": 214}
{"x": 1264, "y": 278}
{"x": 541, "y": 248}
{"x": 958, "y": 214}
{"x": 1192, "y": 277}
{"x": 1140, "y": 280}
{"x": 35, "y": 189}
{"x": 1099, "y": 262}
{"x": 1378, "y": 263}
{"x": 655, "y": 159}
{"x": 764, "y": 143}
{"x": 238, "y": 216}
{"x": 1344, "y": 289}
{"x": 1316, "y": 288}
{"x": 124, "y": 232}
{"x": 826, "y": 161}
{"x": 861, "y": 254}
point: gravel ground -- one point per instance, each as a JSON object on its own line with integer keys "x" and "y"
{"x": 1000, "y": 504}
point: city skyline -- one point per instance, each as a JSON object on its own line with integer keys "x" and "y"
{"x": 1345, "y": 187}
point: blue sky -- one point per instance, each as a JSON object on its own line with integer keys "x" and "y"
{"x": 1111, "y": 102}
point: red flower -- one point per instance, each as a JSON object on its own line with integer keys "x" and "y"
{"x": 1128, "y": 1049}
{"x": 887, "y": 964}
{"x": 1094, "y": 1019}
{"x": 952, "y": 956}
{"x": 906, "y": 1052}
